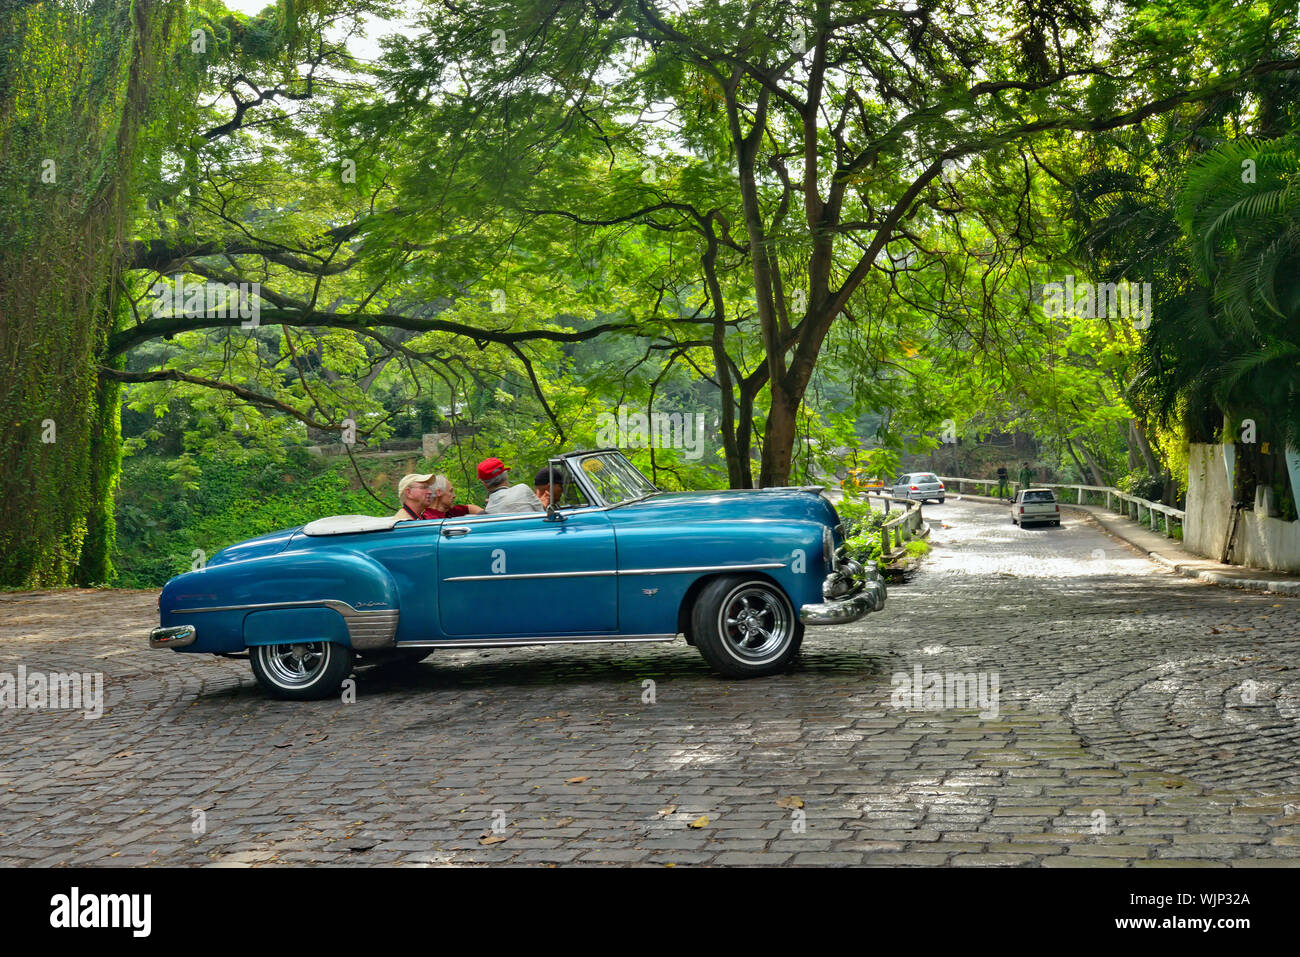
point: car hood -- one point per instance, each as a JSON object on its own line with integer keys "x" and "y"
{"x": 735, "y": 505}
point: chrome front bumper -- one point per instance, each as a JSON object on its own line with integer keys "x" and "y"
{"x": 866, "y": 595}
{"x": 177, "y": 637}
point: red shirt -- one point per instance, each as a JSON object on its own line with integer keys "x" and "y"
{"x": 454, "y": 512}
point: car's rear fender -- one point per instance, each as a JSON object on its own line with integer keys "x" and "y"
{"x": 333, "y": 586}
{"x": 276, "y": 626}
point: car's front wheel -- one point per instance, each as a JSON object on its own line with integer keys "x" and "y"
{"x": 301, "y": 670}
{"x": 745, "y": 627}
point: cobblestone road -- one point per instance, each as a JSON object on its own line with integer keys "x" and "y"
{"x": 1140, "y": 719}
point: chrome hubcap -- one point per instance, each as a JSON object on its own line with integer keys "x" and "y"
{"x": 755, "y": 622}
{"x": 295, "y": 664}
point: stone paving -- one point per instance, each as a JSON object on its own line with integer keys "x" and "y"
{"x": 1140, "y": 719}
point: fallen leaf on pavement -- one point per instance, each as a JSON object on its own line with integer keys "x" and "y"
{"x": 699, "y": 822}
{"x": 576, "y": 780}
{"x": 789, "y": 802}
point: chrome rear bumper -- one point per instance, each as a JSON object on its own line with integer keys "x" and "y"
{"x": 177, "y": 637}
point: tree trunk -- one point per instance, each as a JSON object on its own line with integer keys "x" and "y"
{"x": 1102, "y": 477}
{"x": 1152, "y": 462}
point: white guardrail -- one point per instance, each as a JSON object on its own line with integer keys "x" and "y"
{"x": 1132, "y": 505}
{"x": 905, "y": 526}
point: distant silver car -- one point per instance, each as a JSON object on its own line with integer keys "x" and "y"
{"x": 922, "y": 486}
{"x": 1035, "y": 506}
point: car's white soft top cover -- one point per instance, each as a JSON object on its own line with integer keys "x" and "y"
{"x": 350, "y": 524}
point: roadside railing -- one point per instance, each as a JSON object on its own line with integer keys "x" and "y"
{"x": 1131, "y": 505}
{"x": 905, "y": 526}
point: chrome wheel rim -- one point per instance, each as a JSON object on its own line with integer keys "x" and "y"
{"x": 755, "y": 622}
{"x": 294, "y": 665}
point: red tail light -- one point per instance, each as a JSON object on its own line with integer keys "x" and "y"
{"x": 940, "y": 486}
{"x": 1022, "y": 510}
{"x": 913, "y": 488}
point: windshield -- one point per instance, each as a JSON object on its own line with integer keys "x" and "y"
{"x": 615, "y": 479}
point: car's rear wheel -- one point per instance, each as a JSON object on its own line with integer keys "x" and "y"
{"x": 301, "y": 670}
{"x": 745, "y": 627}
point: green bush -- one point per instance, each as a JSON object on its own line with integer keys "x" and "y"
{"x": 1141, "y": 483}
{"x": 861, "y": 530}
{"x": 169, "y": 509}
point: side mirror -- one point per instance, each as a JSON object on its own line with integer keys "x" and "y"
{"x": 553, "y": 514}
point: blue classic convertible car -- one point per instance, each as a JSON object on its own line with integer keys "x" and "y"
{"x": 738, "y": 573}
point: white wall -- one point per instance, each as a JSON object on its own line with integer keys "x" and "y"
{"x": 1262, "y": 542}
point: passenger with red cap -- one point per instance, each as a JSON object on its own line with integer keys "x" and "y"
{"x": 503, "y": 497}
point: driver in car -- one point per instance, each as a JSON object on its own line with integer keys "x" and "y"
{"x": 544, "y": 481}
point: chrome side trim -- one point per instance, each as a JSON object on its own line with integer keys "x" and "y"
{"x": 342, "y": 607}
{"x": 701, "y": 568}
{"x": 627, "y": 571}
{"x": 367, "y": 630}
{"x": 521, "y": 642}
{"x": 484, "y": 578}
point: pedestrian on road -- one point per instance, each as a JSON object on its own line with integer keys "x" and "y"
{"x": 1004, "y": 490}
{"x": 1026, "y": 476}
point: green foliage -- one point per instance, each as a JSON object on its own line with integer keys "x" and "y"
{"x": 162, "y": 522}
{"x": 861, "y": 529}
{"x": 76, "y": 81}
{"x": 917, "y": 548}
{"x": 528, "y": 175}
{"x": 1219, "y": 239}
{"x": 1138, "y": 482}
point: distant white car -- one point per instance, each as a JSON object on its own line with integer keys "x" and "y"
{"x": 921, "y": 486}
{"x": 1035, "y": 506}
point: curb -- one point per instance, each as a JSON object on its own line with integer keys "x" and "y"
{"x": 1177, "y": 567}
{"x": 1188, "y": 571}
{"x": 1219, "y": 578}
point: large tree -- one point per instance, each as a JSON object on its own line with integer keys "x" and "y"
{"x": 804, "y": 139}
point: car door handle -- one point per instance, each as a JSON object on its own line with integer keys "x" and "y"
{"x": 456, "y": 531}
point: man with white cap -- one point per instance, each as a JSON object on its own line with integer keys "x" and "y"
{"x": 414, "y": 492}
{"x": 429, "y": 496}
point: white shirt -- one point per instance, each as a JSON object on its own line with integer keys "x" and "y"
{"x": 516, "y": 498}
